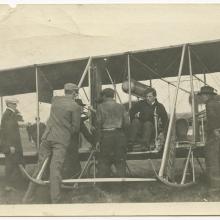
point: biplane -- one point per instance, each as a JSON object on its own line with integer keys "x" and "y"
{"x": 126, "y": 68}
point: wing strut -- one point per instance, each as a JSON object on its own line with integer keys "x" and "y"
{"x": 167, "y": 142}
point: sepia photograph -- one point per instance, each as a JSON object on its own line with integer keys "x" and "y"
{"x": 109, "y": 105}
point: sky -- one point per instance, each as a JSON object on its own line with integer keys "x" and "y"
{"x": 165, "y": 95}
{"x": 33, "y": 34}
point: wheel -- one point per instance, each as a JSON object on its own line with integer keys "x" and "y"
{"x": 181, "y": 174}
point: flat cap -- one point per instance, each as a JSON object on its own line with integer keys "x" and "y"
{"x": 107, "y": 92}
{"x": 11, "y": 101}
{"x": 71, "y": 87}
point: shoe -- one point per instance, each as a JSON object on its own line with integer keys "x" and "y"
{"x": 156, "y": 149}
{"x": 145, "y": 148}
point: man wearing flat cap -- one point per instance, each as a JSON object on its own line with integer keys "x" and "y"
{"x": 62, "y": 125}
{"x": 11, "y": 144}
{"x": 143, "y": 115}
{"x": 212, "y": 151}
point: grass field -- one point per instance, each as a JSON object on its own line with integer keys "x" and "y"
{"x": 114, "y": 192}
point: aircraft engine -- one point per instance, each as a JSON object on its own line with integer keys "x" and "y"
{"x": 137, "y": 88}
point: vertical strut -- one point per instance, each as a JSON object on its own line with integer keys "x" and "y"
{"x": 167, "y": 142}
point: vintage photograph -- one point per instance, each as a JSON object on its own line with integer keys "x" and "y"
{"x": 109, "y": 103}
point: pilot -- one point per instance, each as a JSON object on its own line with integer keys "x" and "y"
{"x": 112, "y": 119}
{"x": 212, "y": 151}
{"x": 142, "y": 116}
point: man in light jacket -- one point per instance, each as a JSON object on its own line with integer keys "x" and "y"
{"x": 63, "y": 123}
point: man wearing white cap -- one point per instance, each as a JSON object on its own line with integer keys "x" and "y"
{"x": 11, "y": 144}
{"x": 63, "y": 123}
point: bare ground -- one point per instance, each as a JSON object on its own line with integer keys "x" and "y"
{"x": 115, "y": 192}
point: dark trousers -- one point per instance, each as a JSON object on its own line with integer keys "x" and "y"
{"x": 57, "y": 153}
{"x": 12, "y": 172}
{"x": 72, "y": 166}
{"x": 112, "y": 152}
{"x": 143, "y": 129}
{"x": 212, "y": 159}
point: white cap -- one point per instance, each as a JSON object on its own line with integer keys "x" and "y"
{"x": 11, "y": 101}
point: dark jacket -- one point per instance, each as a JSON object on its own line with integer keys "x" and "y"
{"x": 213, "y": 115}
{"x": 10, "y": 134}
{"x": 64, "y": 120}
{"x": 147, "y": 112}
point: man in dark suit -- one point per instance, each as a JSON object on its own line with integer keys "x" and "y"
{"x": 212, "y": 151}
{"x": 142, "y": 116}
{"x": 11, "y": 144}
{"x": 63, "y": 123}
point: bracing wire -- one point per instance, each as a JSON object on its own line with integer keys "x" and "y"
{"x": 156, "y": 73}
